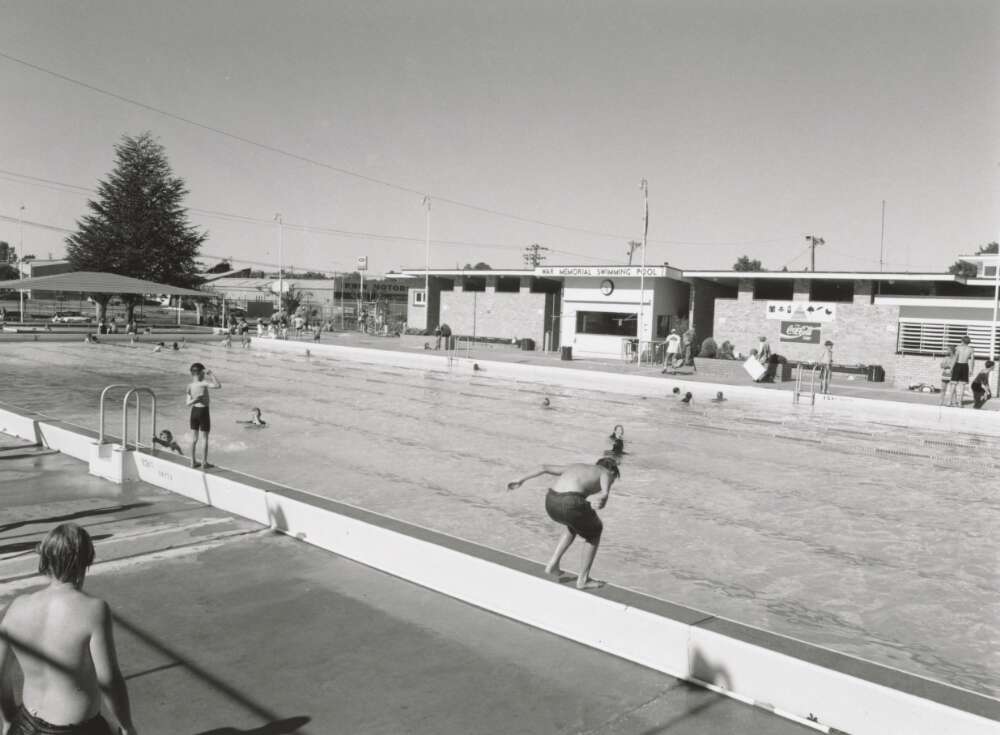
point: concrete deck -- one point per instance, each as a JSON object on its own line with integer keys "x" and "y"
{"x": 225, "y": 628}
{"x": 858, "y": 388}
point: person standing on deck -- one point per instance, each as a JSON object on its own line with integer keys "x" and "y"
{"x": 825, "y": 363}
{"x": 965, "y": 362}
{"x": 570, "y": 501}
{"x": 198, "y": 400}
{"x": 62, "y": 639}
{"x": 946, "y": 365}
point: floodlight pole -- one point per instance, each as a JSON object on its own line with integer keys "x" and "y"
{"x": 281, "y": 259}
{"x": 20, "y": 262}
{"x": 644, "y": 185}
{"x": 427, "y": 262}
{"x": 996, "y": 303}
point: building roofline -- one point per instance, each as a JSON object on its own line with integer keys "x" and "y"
{"x": 822, "y": 275}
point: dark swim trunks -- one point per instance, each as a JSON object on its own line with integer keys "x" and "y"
{"x": 200, "y": 420}
{"x": 960, "y": 372}
{"x": 26, "y": 723}
{"x": 573, "y": 511}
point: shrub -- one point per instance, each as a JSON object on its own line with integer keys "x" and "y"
{"x": 708, "y": 348}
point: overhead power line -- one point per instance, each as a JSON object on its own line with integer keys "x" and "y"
{"x": 356, "y": 174}
{"x": 269, "y": 223}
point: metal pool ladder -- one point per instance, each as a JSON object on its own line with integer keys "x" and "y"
{"x": 130, "y": 391}
{"x": 797, "y": 393}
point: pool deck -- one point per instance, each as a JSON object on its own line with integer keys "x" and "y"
{"x": 224, "y": 627}
{"x": 840, "y": 386}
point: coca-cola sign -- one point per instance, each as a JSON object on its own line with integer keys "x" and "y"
{"x": 805, "y": 332}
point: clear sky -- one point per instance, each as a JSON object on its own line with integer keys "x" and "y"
{"x": 756, "y": 123}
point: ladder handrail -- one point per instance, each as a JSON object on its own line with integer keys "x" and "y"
{"x": 137, "y": 392}
{"x": 104, "y": 393}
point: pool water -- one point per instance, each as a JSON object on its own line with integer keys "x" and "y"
{"x": 868, "y": 538}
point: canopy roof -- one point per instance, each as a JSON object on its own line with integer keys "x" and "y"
{"x": 94, "y": 282}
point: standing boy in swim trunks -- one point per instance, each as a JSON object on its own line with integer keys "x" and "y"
{"x": 62, "y": 639}
{"x": 197, "y": 399}
{"x": 965, "y": 360}
{"x": 570, "y": 501}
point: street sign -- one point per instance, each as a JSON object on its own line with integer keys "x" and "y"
{"x": 362, "y": 263}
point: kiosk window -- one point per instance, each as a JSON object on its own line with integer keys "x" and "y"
{"x": 604, "y": 322}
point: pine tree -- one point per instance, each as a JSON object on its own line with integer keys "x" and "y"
{"x": 138, "y": 225}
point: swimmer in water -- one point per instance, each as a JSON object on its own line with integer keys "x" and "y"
{"x": 227, "y": 341}
{"x": 198, "y": 400}
{"x": 571, "y": 501}
{"x": 687, "y": 397}
{"x": 617, "y": 439}
{"x": 166, "y": 440}
{"x": 719, "y": 397}
{"x": 546, "y": 403}
{"x": 675, "y": 393}
{"x": 255, "y": 419}
{"x": 175, "y": 347}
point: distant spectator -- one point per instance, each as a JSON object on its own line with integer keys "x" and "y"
{"x": 673, "y": 345}
{"x": 825, "y": 367}
{"x": 946, "y": 365}
{"x": 981, "y": 385}
{"x": 965, "y": 361}
{"x": 726, "y": 351}
{"x": 708, "y": 348}
{"x": 763, "y": 351}
{"x": 443, "y": 332}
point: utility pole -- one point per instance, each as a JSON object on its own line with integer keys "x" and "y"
{"x": 644, "y": 185}
{"x": 20, "y": 261}
{"x": 281, "y": 260}
{"x": 533, "y": 254}
{"x": 427, "y": 263}
{"x": 881, "y": 247}
{"x": 814, "y": 242}
{"x": 632, "y": 246}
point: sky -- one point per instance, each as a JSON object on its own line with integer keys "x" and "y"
{"x": 755, "y": 124}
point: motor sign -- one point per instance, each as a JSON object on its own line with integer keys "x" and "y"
{"x": 362, "y": 263}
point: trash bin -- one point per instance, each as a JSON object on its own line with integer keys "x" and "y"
{"x": 876, "y": 374}
{"x": 528, "y": 345}
{"x": 567, "y": 352}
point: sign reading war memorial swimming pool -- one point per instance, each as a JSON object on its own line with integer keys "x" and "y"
{"x": 804, "y": 332}
{"x": 811, "y": 311}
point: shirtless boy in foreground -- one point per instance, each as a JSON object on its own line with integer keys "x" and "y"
{"x": 570, "y": 501}
{"x": 197, "y": 399}
{"x": 62, "y": 639}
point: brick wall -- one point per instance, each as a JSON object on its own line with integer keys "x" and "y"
{"x": 910, "y": 369}
{"x": 507, "y": 315}
{"x": 861, "y": 333}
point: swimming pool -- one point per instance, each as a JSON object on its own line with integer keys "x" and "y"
{"x": 846, "y": 533}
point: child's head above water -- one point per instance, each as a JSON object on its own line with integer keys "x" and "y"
{"x": 166, "y": 436}
{"x": 546, "y": 402}
{"x": 618, "y": 432}
{"x": 676, "y": 391}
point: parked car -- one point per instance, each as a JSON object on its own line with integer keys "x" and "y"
{"x": 70, "y": 317}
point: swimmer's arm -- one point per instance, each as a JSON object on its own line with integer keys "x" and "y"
{"x": 547, "y": 469}
{"x": 109, "y": 674}
{"x": 601, "y": 498}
